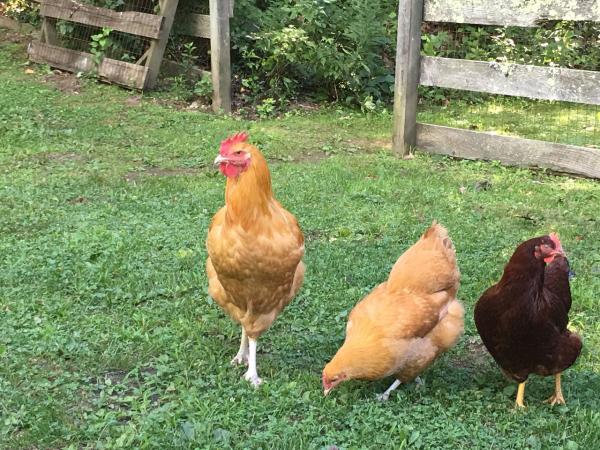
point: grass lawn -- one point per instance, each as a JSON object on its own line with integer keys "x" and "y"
{"x": 108, "y": 338}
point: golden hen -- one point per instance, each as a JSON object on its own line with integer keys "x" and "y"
{"x": 255, "y": 248}
{"x": 405, "y": 323}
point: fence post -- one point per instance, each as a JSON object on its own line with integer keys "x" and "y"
{"x": 220, "y": 60}
{"x": 408, "y": 58}
{"x": 158, "y": 46}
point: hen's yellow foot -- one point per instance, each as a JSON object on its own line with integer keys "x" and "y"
{"x": 556, "y": 399}
{"x": 520, "y": 396}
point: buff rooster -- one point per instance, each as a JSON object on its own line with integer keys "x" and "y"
{"x": 255, "y": 248}
{"x": 405, "y": 323}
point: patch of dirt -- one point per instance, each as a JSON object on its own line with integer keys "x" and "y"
{"x": 60, "y": 157}
{"x": 120, "y": 388}
{"x": 134, "y": 100}
{"x": 64, "y": 82}
{"x": 310, "y": 157}
{"x": 474, "y": 356}
{"x": 158, "y": 172}
{"x": 371, "y": 145}
{"x": 78, "y": 200}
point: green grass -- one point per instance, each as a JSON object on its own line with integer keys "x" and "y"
{"x": 109, "y": 338}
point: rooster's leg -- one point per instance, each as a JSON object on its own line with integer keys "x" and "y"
{"x": 383, "y": 397}
{"x": 251, "y": 375}
{"x": 242, "y": 354}
{"x": 520, "y": 395}
{"x": 557, "y": 398}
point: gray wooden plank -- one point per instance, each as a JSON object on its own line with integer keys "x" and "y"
{"x": 410, "y": 14}
{"x": 119, "y": 72}
{"x": 545, "y": 83}
{"x": 220, "y": 57}
{"x": 49, "y": 33}
{"x": 509, "y": 150}
{"x": 510, "y": 12}
{"x": 158, "y": 46}
{"x": 172, "y": 68}
{"x": 133, "y": 22}
{"x": 193, "y": 25}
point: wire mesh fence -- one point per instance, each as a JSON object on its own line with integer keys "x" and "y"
{"x": 574, "y": 45}
{"x": 119, "y": 45}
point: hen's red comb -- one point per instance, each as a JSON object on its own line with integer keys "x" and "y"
{"x": 237, "y": 138}
{"x": 556, "y": 241}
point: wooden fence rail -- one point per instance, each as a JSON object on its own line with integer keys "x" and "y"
{"x": 157, "y": 27}
{"x": 546, "y": 83}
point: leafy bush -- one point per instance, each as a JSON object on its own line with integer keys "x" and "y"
{"x": 343, "y": 50}
{"x": 26, "y": 11}
{"x": 323, "y": 47}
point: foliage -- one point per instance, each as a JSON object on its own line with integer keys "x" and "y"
{"x": 318, "y": 46}
{"x": 101, "y": 42}
{"x": 344, "y": 50}
{"x": 109, "y": 339}
{"x": 26, "y": 11}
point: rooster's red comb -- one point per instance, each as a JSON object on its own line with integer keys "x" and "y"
{"x": 237, "y": 138}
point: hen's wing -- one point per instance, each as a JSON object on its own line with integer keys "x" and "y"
{"x": 557, "y": 293}
{"x": 429, "y": 266}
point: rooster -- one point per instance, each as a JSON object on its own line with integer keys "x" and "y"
{"x": 405, "y": 323}
{"x": 523, "y": 318}
{"x": 255, "y": 248}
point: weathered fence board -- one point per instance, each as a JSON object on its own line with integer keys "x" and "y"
{"x": 509, "y": 150}
{"x": 410, "y": 13}
{"x": 545, "y": 83}
{"x": 194, "y": 25}
{"x": 510, "y": 12}
{"x": 220, "y": 59}
{"x": 139, "y": 23}
{"x": 158, "y": 46}
{"x": 120, "y": 72}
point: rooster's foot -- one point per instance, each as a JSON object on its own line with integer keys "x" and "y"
{"x": 240, "y": 359}
{"x": 253, "y": 378}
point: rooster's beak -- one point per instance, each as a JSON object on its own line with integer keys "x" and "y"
{"x": 326, "y": 391}
{"x": 219, "y": 159}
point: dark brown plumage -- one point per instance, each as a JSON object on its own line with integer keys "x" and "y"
{"x": 523, "y": 318}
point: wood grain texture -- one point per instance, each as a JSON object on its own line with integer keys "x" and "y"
{"x": 545, "y": 83}
{"x": 410, "y": 14}
{"x": 220, "y": 58}
{"x": 509, "y": 150}
{"x": 158, "y": 46}
{"x": 119, "y": 72}
{"x": 522, "y": 13}
{"x": 133, "y": 22}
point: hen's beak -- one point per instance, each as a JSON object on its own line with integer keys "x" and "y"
{"x": 219, "y": 159}
{"x": 326, "y": 391}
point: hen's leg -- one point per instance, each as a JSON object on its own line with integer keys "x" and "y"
{"x": 251, "y": 375}
{"x": 242, "y": 354}
{"x": 557, "y": 398}
{"x": 520, "y": 395}
{"x": 383, "y": 397}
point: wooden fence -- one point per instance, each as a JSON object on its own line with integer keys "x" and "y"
{"x": 545, "y": 83}
{"x": 157, "y": 27}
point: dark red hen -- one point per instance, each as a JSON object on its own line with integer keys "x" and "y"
{"x": 523, "y": 318}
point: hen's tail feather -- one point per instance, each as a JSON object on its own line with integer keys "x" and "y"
{"x": 428, "y": 266}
